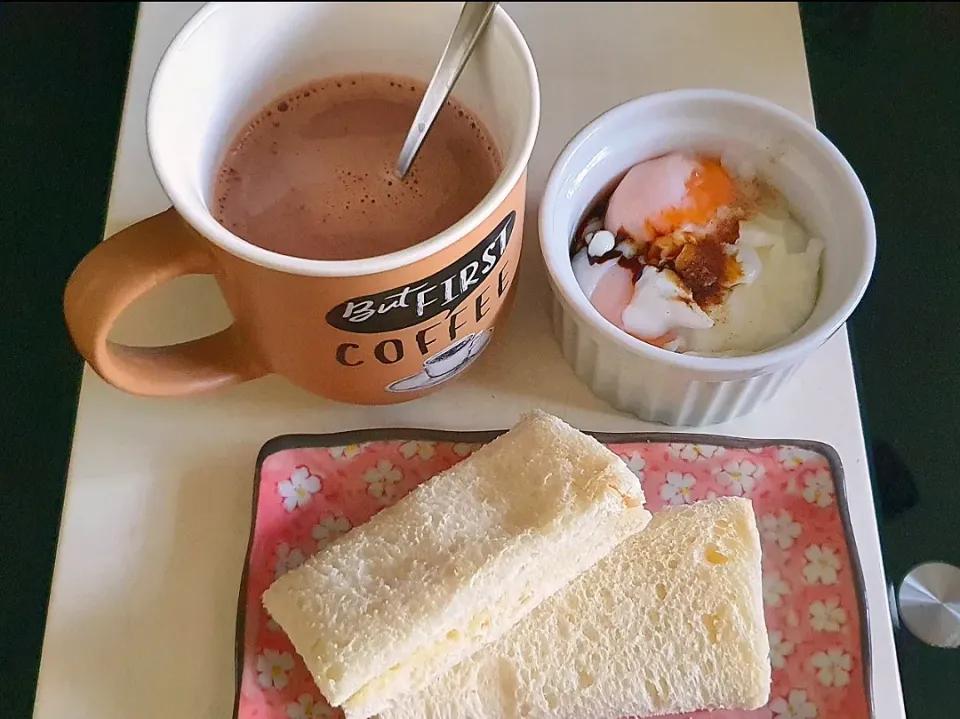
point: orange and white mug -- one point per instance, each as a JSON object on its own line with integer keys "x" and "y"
{"x": 372, "y": 331}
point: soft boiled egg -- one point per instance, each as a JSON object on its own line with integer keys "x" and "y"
{"x": 661, "y": 195}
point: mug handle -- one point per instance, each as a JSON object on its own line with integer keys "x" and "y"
{"x": 118, "y": 271}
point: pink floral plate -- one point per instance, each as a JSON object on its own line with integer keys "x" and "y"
{"x": 313, "y": 488}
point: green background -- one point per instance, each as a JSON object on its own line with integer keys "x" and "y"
{"x": 885, "y": 81}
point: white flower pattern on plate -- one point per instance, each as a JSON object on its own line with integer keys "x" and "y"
{"x": 833, "y": 667}
{"x": 693, "y": 452}
{"x": 636, "y": 463}
{"x": 740, "y": 477}
{"x": 329, "y": 528}
{"x": 346, "y": 452}
{"x": 822, "y": 565}
{"x": 287, "y": 558}
{"x": 774, "y": 589}
{"x": 678, "y": 487}
{"x": 272, "y": 668}
{"x": 780, "y": 529}
{"x": 306, "y": 707}
{"x": 828, "y": 615}
{"x": 795, "y": 706}
{"x": 423, "y": 450}
{"x": 780, "y": 649}
{"x": 382, "y": 481}
{"x": 818, "y": 488}
{"x": 465, "y": 449}
{"x": 794, "y": 457}
{"x": 298, "y": 490}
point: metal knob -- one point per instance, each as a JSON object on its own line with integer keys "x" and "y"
{"x": 929, "y": 600}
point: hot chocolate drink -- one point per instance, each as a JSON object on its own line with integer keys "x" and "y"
{"x": 312, "y": 174}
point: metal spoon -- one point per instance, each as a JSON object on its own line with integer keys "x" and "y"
{"x": 473, "y": 21}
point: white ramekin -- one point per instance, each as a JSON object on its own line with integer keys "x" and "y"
{"x": 818, "y": 183}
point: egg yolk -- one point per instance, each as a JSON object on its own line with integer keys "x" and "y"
{"x": 709, "y": 188}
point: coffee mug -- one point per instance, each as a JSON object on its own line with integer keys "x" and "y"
{"x": 371, "y": 331}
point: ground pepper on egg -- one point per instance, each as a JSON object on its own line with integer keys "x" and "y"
{"x": 699, "y": 257}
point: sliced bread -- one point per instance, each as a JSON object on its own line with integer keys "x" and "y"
{"x": 456, "y": 563}
{"x": 670, "y": 622}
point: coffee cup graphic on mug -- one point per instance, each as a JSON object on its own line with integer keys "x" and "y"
{"x": 445, "y": 364}
{"x": 375, "y": 330}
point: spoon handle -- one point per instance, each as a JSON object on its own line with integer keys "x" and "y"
{"x": 473, "y": 20}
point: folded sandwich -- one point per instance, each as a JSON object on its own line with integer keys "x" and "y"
{"x": 670, "y": 622}
{"x": 456, "y": 563}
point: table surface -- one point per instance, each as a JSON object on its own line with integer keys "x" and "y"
{"x": 885, "y": 90}
{"x": 157, "y": 504}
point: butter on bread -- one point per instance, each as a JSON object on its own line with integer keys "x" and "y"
{"x": 455, "y": 564}
{"x": 670, "y": 622}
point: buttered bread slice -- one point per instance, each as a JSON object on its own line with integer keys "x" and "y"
{"x": 670, "y": 622}
{"x": 456, "y": 563}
